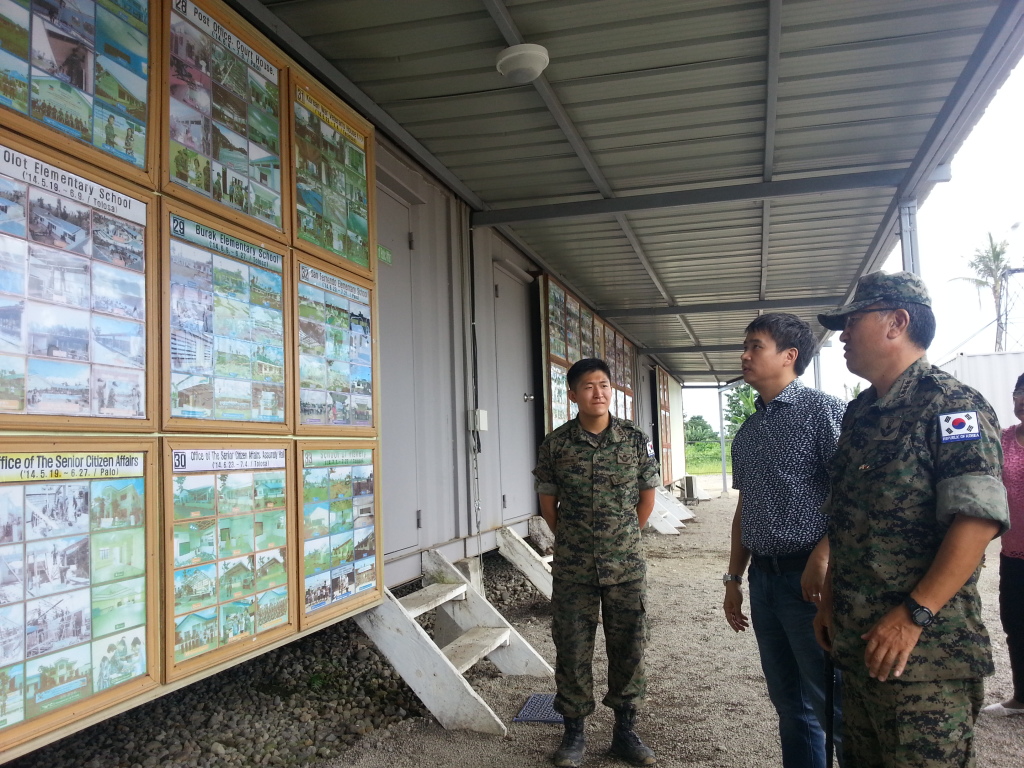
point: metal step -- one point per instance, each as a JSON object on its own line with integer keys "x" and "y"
{"x": 431, "y": 596}
{"x": 476, "y": 643}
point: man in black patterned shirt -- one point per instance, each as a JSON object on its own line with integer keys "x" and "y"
{"x": 780, "y": 462}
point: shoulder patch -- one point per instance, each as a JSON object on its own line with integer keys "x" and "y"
{"x": 962, "y": 425}
{"x": 650, "y": 447}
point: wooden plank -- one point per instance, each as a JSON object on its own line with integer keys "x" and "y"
{"x": 467, "y": 649}
{"x": 524, "y": 557}
{"x": 432, "y": 596}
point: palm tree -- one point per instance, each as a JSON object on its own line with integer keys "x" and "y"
{"x": 993, "y": 270}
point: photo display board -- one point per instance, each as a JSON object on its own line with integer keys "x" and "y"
{"x": 340, "y": 535}
{"x": 664, "y": 425}
{"x": 333, "y": 177}
{"x": 226, "y": 310}
{"x": 572, "y": 332}
{"x": 76, "y": 576}
{"x": 224, "y": 116}
{"x": 74, "y": 299}
{"x": 227, "y": 537}
{"x": 335, "y": 351}
{"x": 80, "y": 68}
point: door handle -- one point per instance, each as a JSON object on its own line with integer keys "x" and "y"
{"x": 527, "y": 398}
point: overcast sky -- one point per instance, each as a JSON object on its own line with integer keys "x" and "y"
{"x": 985, "y": 195}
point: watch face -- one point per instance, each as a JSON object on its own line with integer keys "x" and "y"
{"x": 922, "y": 617}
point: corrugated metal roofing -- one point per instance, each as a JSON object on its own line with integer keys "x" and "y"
{"x": 654, "y": 96}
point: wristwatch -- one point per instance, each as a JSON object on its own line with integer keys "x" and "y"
{"x": 727, "y": 577}
{"x": 920, "y": 615}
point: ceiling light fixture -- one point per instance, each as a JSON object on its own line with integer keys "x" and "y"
{"x": 522, "y": 63}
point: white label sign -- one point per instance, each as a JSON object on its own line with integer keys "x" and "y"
{"x": 227, "y": 459}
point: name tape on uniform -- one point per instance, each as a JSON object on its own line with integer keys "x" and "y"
{"x": 959, "y": 426}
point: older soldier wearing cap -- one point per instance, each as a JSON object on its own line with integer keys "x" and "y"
{"x": 916, "y": 497}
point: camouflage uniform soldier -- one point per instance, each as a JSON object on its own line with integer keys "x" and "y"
{"x": 596, "y": 477}
{"x": 916, "y": 497}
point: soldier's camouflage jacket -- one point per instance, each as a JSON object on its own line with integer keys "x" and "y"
{"x": 905, "y": 465}
{"x": 597, "y": 481}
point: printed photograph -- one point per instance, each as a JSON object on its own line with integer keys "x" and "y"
{"x": 341, "y": 482}
{"x": 315, "y": 407}
{"x": 236, "y": 578}
{"x": 12, "y": 574}
{"x": 56, "y": 680}
{"x": 12, "y": 633}
{"x": 366, "y": 574}
{"x": 341, "y": 516}
{"x": 12, "y": 693}
{"x": 341, "y": 549}
{"x": 118, "y": 242}
{"x": 265, "y": 171}
{"x": 230, "y": 278}
{"x": 316, "y": 519}
{"x": 57, "y": 387}
{"x": 270, "y": 569}
{"x": 355, "y": 187}
{"x": 264, "y": 128}
{"x": 231, "y": 317}
{"x": 13, "y": 202}
{"x": 117, "y": 503}
{"x": 234, "y": 493}
{"x": 56, "y": 622}
{"x": 76, "y": 17}
{"x": 229, "y": 109}
{"x": 312, "y": 372}
{"x": 361, "y": 381}
{"x": 63, "y": 52}
{"x": 60, "y": 223}
{"x": 230, "y": 71}
{"x": 272, "y": 610}
{"x": 12, "y": 380}
{"x": 267, "y": 401}
{"x": 264, "y": 202}
{"x": 119, "y": 605}
{"x": 191, "y": 86}
{"x": 13, "y": 81}
{"x": 12, "y": 266}
{"x": 56, "y": 565}
{"x": 311, "y": 302}
{"x": 232, "y": 358}
{"x": 317, "y": 556}
{"x": 58, "y": 277}
{"x": 195, "y": 542}
{"x": 362, "y": 480}
{"x": 267, "y": 325}
{"x": 229, "y": 149}
{"x": 355, "y": 159}
{"x": 118, "y": 292}
{"x": 191, "y": 396}
{"x": 264, "y": 94}
{"x": 315, "y": 484}
{"x": 57, "y": 509}
{"x": 12, "y": 514}
{"x": 189, "y": 44}
{"x": 337, "y": 346}
{"x": 359, "y": 318}
{"x": 265, "y": 288}
{"x": 194, "y": 496}
{"x": 235, "y": 536}
{"x": 318, "y": 591}
{"x": 338, "y": 379}
{"x": 270, "y": 529}
{"x": 195, "y": 588}
{"x": 118, "y": 555}
{"x": 118, "y": 392}
{"x": 118, "y": 658}
{"x": 269, "y": 489}
{"x": 237, "y": 620}
{"x": 191, "y": 266}
{"x": 14, "y": 27}
{"x": 311, "y": 338}
{"x": 192, "y": 309}
{"x": 363, "y": 511}
{"x": 195, "y": 634}
{"x": 189, "y": 127}
{"x": 122, "y": 41}
{"x": 365, "y": 542}
{"x": 342, "y": 581}
{"x": 336, "y": 310}
{"x": 118, "y": 342}
{"x": 123, "y": 90}
{"x": 189, "y": 167}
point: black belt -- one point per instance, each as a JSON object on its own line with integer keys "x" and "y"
{"x": 781, "y": 563}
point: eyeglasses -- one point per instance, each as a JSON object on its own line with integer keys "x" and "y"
{"x": 852, "y": 318}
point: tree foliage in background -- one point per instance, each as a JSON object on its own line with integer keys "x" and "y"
{"x": 852, "y": 393}
{"x": 698, "y": 430}
{"x": 992, "y": 270}
{"x": 739, "y": 407}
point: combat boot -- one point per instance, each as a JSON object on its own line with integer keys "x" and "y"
{"x": 625, "y": 743}
{"x": 574, "y": 743}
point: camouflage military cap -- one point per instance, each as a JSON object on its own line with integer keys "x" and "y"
{"x": 876, "y": 287}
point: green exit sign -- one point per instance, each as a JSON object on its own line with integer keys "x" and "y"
{"x": 383, "y": 254}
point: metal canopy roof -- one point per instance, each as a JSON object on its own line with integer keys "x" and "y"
{"x": 681, "y": 164}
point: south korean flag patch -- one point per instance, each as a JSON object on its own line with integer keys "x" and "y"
{"x": 959, "y": 426}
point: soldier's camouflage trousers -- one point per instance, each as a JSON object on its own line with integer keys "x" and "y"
{"x": 575, "y": 608}
{"x": 899, "y": 724}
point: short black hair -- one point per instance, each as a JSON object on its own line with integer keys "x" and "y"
{"x": 789, "y": 332}
{"x": 1020, "y": 383}
{"x": 587, "y": 365}
{"x": 921, "y": 330}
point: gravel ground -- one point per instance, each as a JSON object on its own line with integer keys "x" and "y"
{"x": 330, "y": 700}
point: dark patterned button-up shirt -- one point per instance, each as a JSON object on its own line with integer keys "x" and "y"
{"x": 597, "y": 480}
{"x": 780, "y": 462}
{"x": 907, "y": 463}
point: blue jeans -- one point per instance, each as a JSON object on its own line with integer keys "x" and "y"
{"x": 794, "y": 667}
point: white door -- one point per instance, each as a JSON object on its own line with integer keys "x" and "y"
{"x": 517, "y": 402}
{"x": 398, "y": 487}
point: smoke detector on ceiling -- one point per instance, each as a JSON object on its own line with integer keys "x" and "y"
{"x": 522, "y": 63}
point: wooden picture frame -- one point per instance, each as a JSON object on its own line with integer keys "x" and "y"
{"x": 217, "y": 143}
{"x": 67, "y": 476}
{"x": 330, "y": 587}
{"x": 329, "y": 143}
{"x": 73, "y": 352}
{"x": 324, "y": 295}
{"x": 195, "y": 242}
{"x": 223, "y": 619}
{"x": 72, "y": 104}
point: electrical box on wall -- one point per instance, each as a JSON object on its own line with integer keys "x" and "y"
{"x": 478, "y": 420}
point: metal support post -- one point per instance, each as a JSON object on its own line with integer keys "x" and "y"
{"x": 908, "y": 236}
{"x": 721, "y": 439}
{"x": 817, "y": 370}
